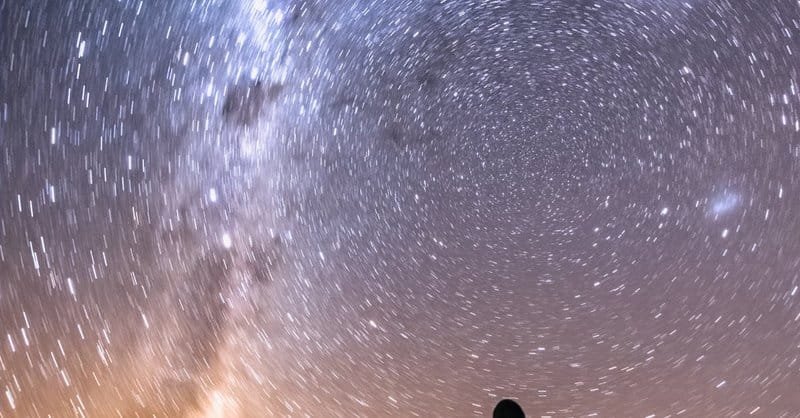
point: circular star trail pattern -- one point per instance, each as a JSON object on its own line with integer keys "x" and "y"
{"x": 399, "y": 208}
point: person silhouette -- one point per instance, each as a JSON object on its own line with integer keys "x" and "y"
{"x": 508, "y": 409}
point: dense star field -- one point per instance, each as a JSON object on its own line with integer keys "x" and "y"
{"x": 251, "y": 208}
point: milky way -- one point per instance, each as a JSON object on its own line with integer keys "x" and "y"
{"x": 399, "y": 208}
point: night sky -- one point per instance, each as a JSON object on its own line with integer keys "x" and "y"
{"x": 251, "y": 208}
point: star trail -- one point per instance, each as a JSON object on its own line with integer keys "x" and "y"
{"x": 372, "y": 208}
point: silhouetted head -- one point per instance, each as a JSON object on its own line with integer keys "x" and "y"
{"x": 508, "y": 409}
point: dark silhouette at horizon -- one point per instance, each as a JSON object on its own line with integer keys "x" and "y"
{"x": 508, "y": 409}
